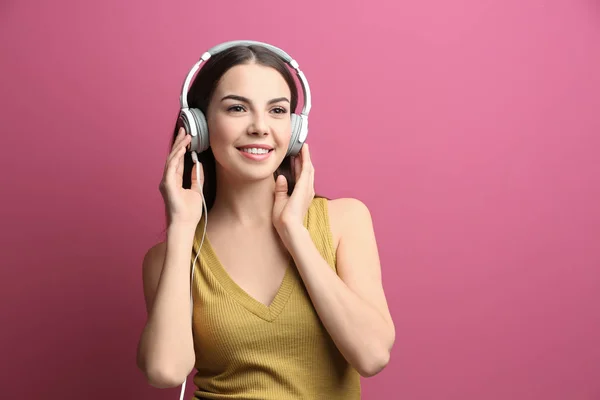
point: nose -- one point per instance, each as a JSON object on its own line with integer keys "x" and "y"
{"x": 258, "y": 126}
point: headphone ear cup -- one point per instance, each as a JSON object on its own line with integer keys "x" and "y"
{"x": 199, "y": 142}
{"x": 189, "y": 125}
{"x": 295, "y": 146}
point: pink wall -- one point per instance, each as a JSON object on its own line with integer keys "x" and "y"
{"x": 470, "y": 128}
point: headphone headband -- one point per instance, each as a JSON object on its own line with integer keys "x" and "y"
{"x": 227, "y": 45}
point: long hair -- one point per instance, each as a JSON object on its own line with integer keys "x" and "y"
{"x": 199, "y": 97}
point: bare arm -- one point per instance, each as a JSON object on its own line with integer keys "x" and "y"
{"x": 165, "y": 350}
{"x": 351, "y": 304}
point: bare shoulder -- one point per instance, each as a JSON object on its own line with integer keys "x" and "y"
{"x": 155, "y": 252}
{"x": 151, "y": 270}
{"x": 346, "y": 214}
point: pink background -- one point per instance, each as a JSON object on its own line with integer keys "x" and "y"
{"x": 470, "y": 128}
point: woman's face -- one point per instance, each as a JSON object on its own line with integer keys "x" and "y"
{"x": 249, "y": 122}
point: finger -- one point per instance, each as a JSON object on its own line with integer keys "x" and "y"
{"x": 180, "y": 135}
{"x": 182, "y": 144}
{"x": 308, "y": 166}
{"x": 171, "y": 168}
{"x": 297, "y": 168}
{"x": 281, "y": 186}
{"x": 180, "y": 161}
{"x": 306, "y": 162}
{"x": 181, "y": 139}
{"x": 195, "y": 184}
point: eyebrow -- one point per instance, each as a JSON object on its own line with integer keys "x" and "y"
{"x": 245, "y": 100}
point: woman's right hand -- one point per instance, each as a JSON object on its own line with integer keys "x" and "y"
{"x": 182, "y": 205}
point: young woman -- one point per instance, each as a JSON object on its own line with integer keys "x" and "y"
{"x": 287, "y": 294}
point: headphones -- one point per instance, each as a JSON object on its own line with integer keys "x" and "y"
{"x": 194, "y": 121}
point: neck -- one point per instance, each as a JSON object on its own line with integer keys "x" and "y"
{"x": 245, "y": 203}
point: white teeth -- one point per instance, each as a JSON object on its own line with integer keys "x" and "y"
{"x": 254, "y": 150}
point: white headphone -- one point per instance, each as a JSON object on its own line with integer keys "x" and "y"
{"x": 194, "y": 123}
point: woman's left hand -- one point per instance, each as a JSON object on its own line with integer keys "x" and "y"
{"x": 289, "y": 211}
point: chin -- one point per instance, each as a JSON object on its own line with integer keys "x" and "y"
{"x": 257, "y": 177}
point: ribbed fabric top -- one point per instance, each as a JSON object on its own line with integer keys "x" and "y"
{"x": 247, "y": 350}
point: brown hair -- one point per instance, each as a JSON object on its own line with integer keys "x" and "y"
{"x": 199, "y": 97}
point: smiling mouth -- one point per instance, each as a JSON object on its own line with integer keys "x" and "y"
{"x": 255, "y": 154}
{"x": 254, "y": 150}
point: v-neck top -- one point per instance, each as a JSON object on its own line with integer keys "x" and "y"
{"x": 248, "y": 350}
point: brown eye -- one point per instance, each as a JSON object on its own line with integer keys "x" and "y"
{"x": 280, "y": 110}
{"x": 236, "y": 108}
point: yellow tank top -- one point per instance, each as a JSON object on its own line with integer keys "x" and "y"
{"x": 247, "y": 350}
